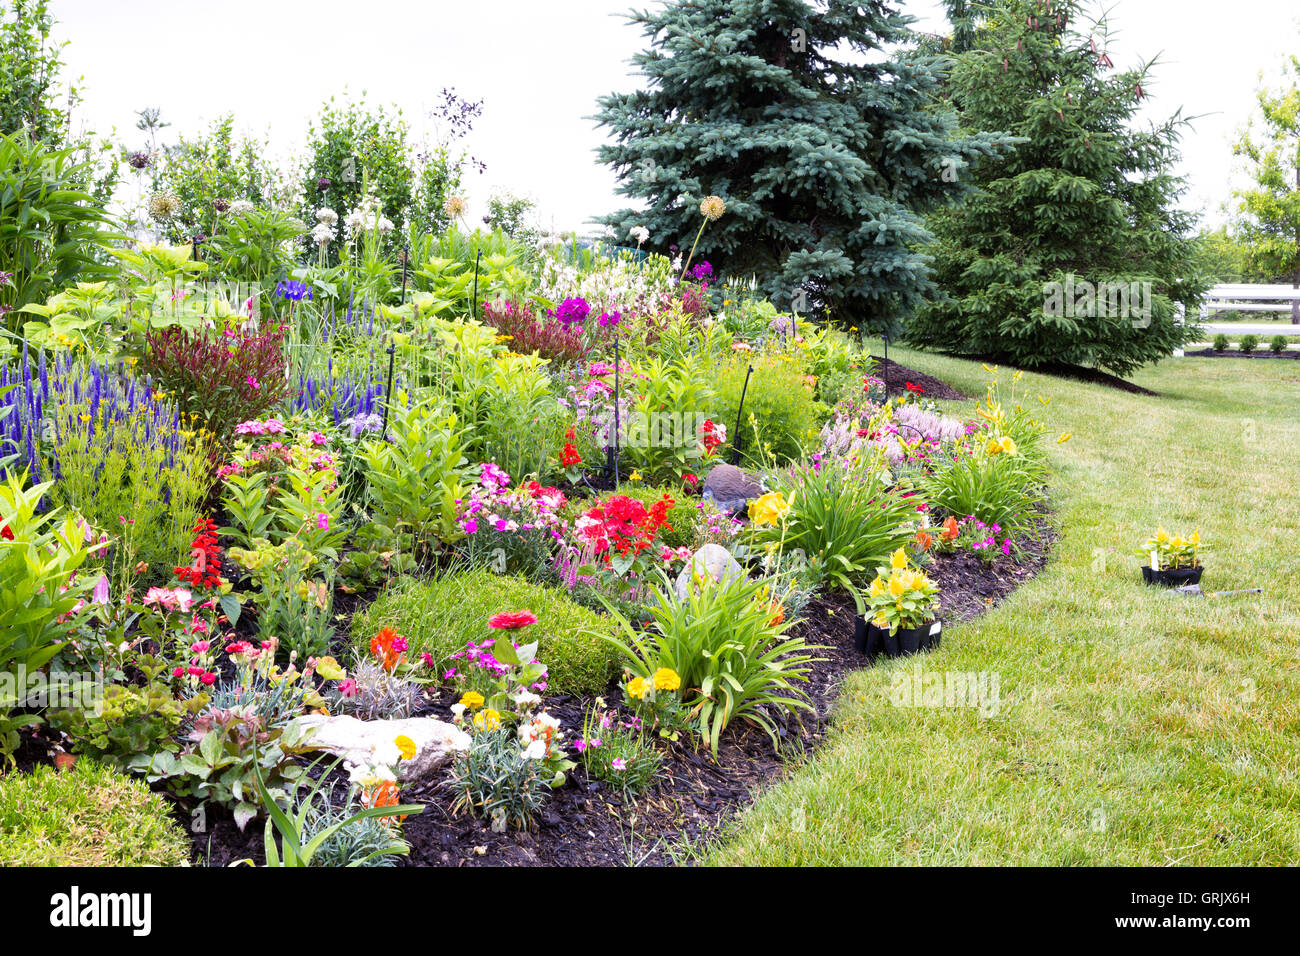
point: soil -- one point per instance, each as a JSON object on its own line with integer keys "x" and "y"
{"x": 1260, "y": 354}
{"x": 898, "y": 377}
{"x": 586, "y": 823}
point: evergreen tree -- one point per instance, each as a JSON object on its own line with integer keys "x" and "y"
{"x": 1269, "y": 213}
{"x": 1072, "y": 250}
{"x": 817, "y": 126}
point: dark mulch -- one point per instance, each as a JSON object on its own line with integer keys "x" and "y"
{"x": 1227, "y": 353}
{"x": 897, "y": 377}
{"x": 585, "y": 823}
{"x": 1079, "y": 373}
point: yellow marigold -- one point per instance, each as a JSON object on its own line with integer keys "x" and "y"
{"x": 636, "y": 688}
{"x": 471, "y": 700}
{"x": 406, "y": 747}
{"x": 666, "y": 678}
{"x": 487, "y": 719}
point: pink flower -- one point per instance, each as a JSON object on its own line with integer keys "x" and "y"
{"x": 618, "y": 763}
{"x": 252, "y": 381}
{"x": 316, "y": 438}
{"x": 100, "y": 594}
{"x": 200, "y": 647}
{"x": 348, "y": 687}
{"x": 239, "y": 647}
{"x": 512, "y": 620}
{"x": 170, "y": 599}
{"x": 322, "y": 521}
{"x": 208, "y": 679}
{"x": 580, "y": 745}
{"x": 178, "y": 672}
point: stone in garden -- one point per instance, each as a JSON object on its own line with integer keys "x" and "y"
{"x": 730, "y": 488}
{"x": 357, "y": 740}
{"x": 713, "y": 560}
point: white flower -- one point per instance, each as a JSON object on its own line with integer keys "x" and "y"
{"x": 327, "y": 216}
{"x": 526, "y": 699}
{"x": 386, "y": 225}
{"x": 323, "y": 234}
{"x": 639, "y": 233}
{"x": 458, "y": 709}
{"x": 386, "y": 754}
{"x": 241, "y": 207}
{"x": 536, "y": 750}
{"x": 547, "y": 720}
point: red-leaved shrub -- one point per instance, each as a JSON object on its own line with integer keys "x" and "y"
{"x": 553, "y": 341}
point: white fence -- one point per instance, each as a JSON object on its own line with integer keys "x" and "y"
{"x": 1244, "y": 297}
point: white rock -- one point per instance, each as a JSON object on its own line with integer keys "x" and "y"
{"x": 712, "y": 559}
{"x": 356, "y": 741}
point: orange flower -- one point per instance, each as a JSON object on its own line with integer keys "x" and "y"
{"x": 388, "y": 646}
{"x": 383, "y": 794}
{"x": 950, "y": 530}
{"x": 924, "y": 541}
{"x": 778, "y": 615}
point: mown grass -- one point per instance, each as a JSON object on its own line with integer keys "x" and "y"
{"x": 1134, "y": 726}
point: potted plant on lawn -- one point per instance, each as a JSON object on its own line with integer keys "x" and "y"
{"x": 899, "y": 613}
{"x": 1171, "y": 560}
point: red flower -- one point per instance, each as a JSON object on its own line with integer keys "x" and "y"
{"x": 205, "y": 568}
{"x": 691, "y": 479}
{"x": 512, "y": 620}
{"x": 915, "y": 388}
{"x": 571, "y": 456}
{"x": 6, "y": 533}
{"x": 388, "y": 646}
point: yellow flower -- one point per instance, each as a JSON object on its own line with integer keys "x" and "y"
{"x": 487, "y": 719}
{"x": 896, "y": 586}
{"x": 471, "y": 700}
{"x": 636, "y": 688}
{"x": 1162, "y": 535}
{"x": 1008, "y": 445}
{"x": 877, "y": 587}
{"x": 1065, "y": 436}
{"x": 1195, "y": 539}
{"x": 769, "y": 509}
{"x": 635, "y": 476}
{"x": 406, "y": 746}
{"x": 898, "y": 559}
{"x": 666, "y": 678}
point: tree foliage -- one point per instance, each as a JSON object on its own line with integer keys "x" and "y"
{"x": 1086, "y": 204}
{"x": 1269, "y": 212}
{"x": 817, "y": 126}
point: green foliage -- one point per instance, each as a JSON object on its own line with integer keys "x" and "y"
{"x": 1087, "y": 201}
{"x": 684, "y": 517}
{"x": 997, "y": 489}
{"x": 1277, "y": 344}
{"x": 843, "y": 521}
{"x": 208, "y": 173}
{"x": 290, "y": 604}
{"x": 509, "y": 213}
{"x": 257, "y": 245}
{"x": 51, "y": 230}
{"x": 779, "y": 400}
{"x": 824, "y": 154}
{"x": 416, "y": 479}
{"x": 720, "y": 640}
{"x": 352, "y": 143}
{"x": 442, "y": 616}
{"x": 496, "y": 781}
{"x": 309, "y": 836}
{"x": 89, "y": 816}
{"x": 1220, "y": 342}
{"x": 669, "y": 401}
{"x": 617, "y": 752}
{"x": 1268, "y": 213}
{"x": 30, "y": 96}
{"x": 1248, "y": 343}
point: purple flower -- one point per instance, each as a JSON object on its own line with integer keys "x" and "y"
{"x": 572, "y": 311}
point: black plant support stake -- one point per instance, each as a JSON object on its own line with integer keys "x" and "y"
{"x": 735, "y": 445}
{"x": 617, "y": 422}
{"x": 477, "y": 259}
{"x": 388, "y": 390}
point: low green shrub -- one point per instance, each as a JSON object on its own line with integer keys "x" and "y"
{"x": 1248, "y": 343}
{"x": 89, "y": 816}
{"x": 440, "y": 617}
{"x": 1277, "y": 344}
{"x": 1220, "y": 343}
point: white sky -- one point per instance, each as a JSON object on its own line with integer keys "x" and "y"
{"x": 539, "y": 66}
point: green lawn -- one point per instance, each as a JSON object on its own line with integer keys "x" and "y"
{"x": 1134, "y": 726}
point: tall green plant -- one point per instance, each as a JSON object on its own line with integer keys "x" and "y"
{"x": 52, "y": 232}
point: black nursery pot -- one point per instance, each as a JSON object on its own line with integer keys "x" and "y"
{"x": 1173, "y": 577}
{"x": 872, "y": 641}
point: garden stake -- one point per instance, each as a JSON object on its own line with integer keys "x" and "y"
{"x": 735, "y": 445}
{"x": 885, "y": 364}
{"x": 388, "y": 390}
{"x": 477, "y": 259}
{"x": 617, "y": 425}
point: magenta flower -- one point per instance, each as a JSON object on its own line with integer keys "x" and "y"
{"x": 322, "y": 521}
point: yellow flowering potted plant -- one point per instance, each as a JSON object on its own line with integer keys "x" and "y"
{"x": 900, "y": 611}
{"x": 1171, "y": 560}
